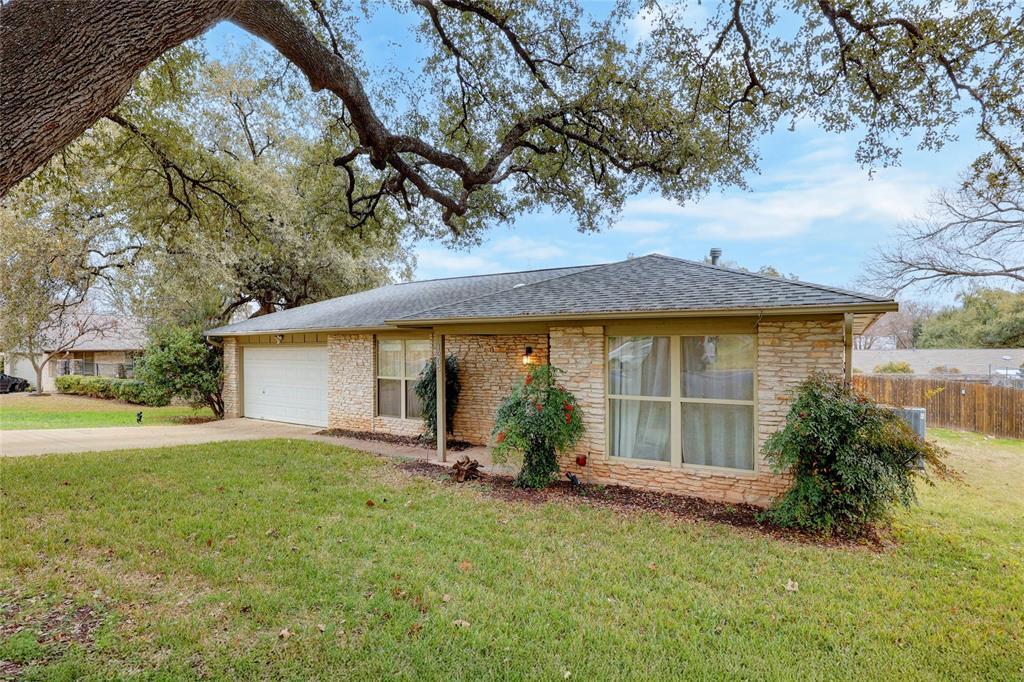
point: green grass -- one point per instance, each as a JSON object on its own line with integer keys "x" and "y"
{"x": 57, "y": 411}
{"x": 196, "y": 558}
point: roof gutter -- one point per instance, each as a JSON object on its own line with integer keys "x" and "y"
{"x": 860, "y": 308}
{"x": 872, "y": 307}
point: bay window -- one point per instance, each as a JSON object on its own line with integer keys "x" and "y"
{"x": 399, "y": 363}
{"x": 682, "y": 400}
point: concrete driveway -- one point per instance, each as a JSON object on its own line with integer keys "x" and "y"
{"x": 42, "y": 441}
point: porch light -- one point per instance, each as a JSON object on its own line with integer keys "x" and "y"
{"x": 528, "y": 356}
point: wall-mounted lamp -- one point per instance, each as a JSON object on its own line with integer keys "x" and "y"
{"x": 528, "y": 356}
{"x": 279, "y": 338}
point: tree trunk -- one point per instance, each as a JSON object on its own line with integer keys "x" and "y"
{"x": 66, "y": 63}
{"x": 39, "y": 377}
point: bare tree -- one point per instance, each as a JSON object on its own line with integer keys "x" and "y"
{"x": 530, "y": 102}
{"x": 52, "y": 337}
{"x": 899, "y": 329}
{"x": 972, "y": 235}
{"x": 46, "y": 279}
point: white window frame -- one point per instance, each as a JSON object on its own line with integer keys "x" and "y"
{"x": 676, "y": 400}
{"x": 405, "y": 381}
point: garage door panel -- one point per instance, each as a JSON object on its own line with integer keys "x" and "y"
{"x": 285, "y": 384}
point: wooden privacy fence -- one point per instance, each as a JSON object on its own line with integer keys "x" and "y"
{"x": 993, "y": 410}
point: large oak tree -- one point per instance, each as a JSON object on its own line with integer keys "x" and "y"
{"x": 527, "y": 102}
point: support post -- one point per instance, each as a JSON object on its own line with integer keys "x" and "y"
{"x": 848, "y": 347}
{"x": 442, "y": 421}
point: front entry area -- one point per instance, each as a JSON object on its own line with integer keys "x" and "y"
{"x": 285, "y": 384}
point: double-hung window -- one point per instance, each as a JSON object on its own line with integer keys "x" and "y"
{"x": 399, "y": 363}
{"x": 682, "y": 400}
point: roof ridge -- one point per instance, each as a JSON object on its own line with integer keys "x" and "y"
{"x": 495, "y": 274}
{"x": 580, "y": 269}
{"x": 810, "y": 285}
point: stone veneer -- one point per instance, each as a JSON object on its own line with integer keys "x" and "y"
{"x": 351, "y": 379}
{"x": 232, "y": 391}
{"x": 788, "y": 351}
{"x": 488, "y": 367}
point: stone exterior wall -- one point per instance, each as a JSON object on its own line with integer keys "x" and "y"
{"x": 787, "y": 353}
{"x": 232, "y": 391}
{"x": 351, "y": 381}
{"x": 488, "y": 367}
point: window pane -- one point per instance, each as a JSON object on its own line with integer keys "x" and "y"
{"x": 640, "y": 429}
{"x": 413, "y": 406}
{"x": 718, "y": 435}
{"x": 718, "y": 367}
{"x": 639, "y": 365}
{"x": 417, "y": 355}
{"x": 389, "y": 358}
{"x": 389, "y": 397}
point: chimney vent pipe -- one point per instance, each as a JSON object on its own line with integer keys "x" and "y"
{"x": 715, "y": 255}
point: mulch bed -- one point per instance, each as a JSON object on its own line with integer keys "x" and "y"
{"x": 415, "y": 441}
{"x": 625, "y": 499}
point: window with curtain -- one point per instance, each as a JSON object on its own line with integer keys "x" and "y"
{"x": 704, "y": 418}
{"x": 399, "y": 363}
{"x": 639, "y": 393}
{"x": 716, "y": 386}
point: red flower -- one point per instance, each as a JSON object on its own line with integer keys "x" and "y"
{"x": 539, "y": 407}
{"x": 501, "y": 437}
{"x": 568, "y": 418}
{"x": 529, "y": 379}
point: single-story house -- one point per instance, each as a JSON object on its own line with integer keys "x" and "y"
{"x": 681, "y": 368}
{"x": 110, "y": 353}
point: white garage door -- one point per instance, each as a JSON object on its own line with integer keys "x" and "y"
{"x": 285, "y": 384}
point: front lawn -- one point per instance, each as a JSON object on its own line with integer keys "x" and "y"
{"x": 58, "y": 411}
{"x": 294, "y": 559}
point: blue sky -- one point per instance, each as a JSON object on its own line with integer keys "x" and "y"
{"x": 811, "y": 210}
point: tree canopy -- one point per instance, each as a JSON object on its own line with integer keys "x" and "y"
{"x": 210, "y": 175}
{"x": 522, "y": 103}
{"x": 986, "y": 318}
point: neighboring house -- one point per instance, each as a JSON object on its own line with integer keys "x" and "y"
{"x": 110, "y": 354}
{"x": 966, "y": 361}
{"x": 682, "y": 369}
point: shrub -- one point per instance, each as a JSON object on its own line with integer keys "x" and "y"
{"x": 853, "y": 461}
{"x": 942, "y": 369}
{"x": 536, "y": 421}
{"x": 894, "y": 368}
{"x": 179, "y": 362}
{"x": 128, "y": 390}
{"x": 426, "y": 391}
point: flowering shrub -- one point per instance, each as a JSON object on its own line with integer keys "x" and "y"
{"x": 539, "y": 419}
{"x": 852, "y": 460}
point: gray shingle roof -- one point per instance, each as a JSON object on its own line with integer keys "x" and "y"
{"x": 653, "y": 283}
{"x": 372, "y": 309}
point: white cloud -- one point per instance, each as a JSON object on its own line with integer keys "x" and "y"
{"x": 440, "y": 261}
{"x": 801, "y": 197}
{"x": 641, "y": 226}
{"x": 526, "y": 249}
{"x": 506, "y": 254}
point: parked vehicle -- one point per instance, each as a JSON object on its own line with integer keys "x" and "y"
{"x": 9, "y": 384}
